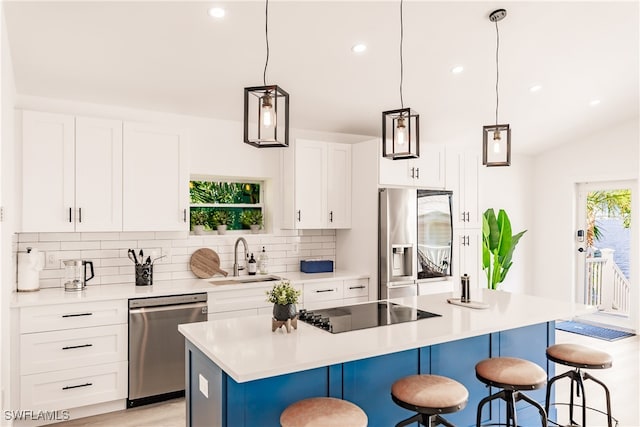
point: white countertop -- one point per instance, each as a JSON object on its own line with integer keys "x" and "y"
{"x": 160, "y": 288}
{"x": 246, "y": 349}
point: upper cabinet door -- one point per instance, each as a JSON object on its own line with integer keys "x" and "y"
{"x": 310, "y": 184}
{"x": 47, "y": 172}
{"x": 428, "y": 169}
{"x": 462, "y": 179}
{"x": 339, "y": 185}
{"x": 98, "y": 174}
{"x": 155, "y": 178}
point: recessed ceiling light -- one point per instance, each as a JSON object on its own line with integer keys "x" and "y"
{"x": 216, "y": 12}
{"x": 457, "y": 69}
{"x": 359, "y": 48}
{"x": 535, "y": 88}
{"x": 594, "y": 102}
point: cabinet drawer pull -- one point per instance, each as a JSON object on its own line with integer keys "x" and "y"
{"x": 77, "y": 314}
{"x": 79, "y": 214}
{"x": 330, "y": 216}
{"x": 299, "y": 215}
{"x": 324, "y": 290}
{"x": 417, "y": 173}
{"x": 69, "y": 387}
{"x": 413, "y": 174}
{"x": 77, "y": 346}
{"x": 357, "y": 287}
{"x": 70, "y": 215}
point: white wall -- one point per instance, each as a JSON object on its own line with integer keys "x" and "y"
{"x": 510, "y": 188}
{"x": 608, "y": 155}
{"x": 7, "y": 264}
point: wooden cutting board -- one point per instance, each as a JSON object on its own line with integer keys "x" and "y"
{"x": 205, "y": 263}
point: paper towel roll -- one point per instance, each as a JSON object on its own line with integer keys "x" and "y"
{"x": 29, "y": 265}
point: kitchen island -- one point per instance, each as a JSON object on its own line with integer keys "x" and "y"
{"x": 239, "y": 373}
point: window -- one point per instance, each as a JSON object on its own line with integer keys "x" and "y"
{"x": 238, "y": 205}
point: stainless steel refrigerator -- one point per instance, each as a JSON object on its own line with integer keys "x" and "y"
{"x": 414, "y": 239}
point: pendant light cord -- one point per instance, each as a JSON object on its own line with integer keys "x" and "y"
{"x": 401, "y": 62}
{"x": 266, "y": 37}
{"x": 497, "y": 70}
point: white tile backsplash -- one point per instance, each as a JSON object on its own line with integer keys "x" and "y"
{"x": 108, "y": 251}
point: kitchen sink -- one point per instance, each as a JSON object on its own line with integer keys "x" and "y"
{"x": 239, "y": 280}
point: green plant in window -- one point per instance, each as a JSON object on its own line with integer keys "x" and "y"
{"x": 222, "y": 217}
{"x": 251, "y": 217}
{"x": 199, "y": 217}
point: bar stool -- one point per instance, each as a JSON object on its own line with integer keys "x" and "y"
{"x": 429, "y": 396}
{"x": 511, "y": 375}
{"x": 323, "y": 412}
{"x": 580, "y": 357}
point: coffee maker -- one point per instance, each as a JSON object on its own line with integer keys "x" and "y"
{"x": 75, "y": 274}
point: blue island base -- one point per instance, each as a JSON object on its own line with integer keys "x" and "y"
{"x": 216, "y": 400}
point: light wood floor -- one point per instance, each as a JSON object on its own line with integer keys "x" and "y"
{"x": 622, "y": 380}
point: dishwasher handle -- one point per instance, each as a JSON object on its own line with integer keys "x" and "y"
{"x": 202, "y": 305}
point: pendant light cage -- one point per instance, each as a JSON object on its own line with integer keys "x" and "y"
{"x": 266, "y": 107}
{"x": 496, "y": 138}
{"x": 400, "y": 128}
{"x": 259, "y": 130}
{"x": 400, "y": 134}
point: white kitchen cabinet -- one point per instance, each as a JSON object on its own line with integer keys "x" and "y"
{"x": 462, "y": 179}
{"x": 317, "y": 194}
{"x": 468, "y": 248}
{"x": 335, "y": 293}
{"x": 427, "y": 171}
{"x": 72, "y": 355}
{"x": 71, "y": 173}
{"x": 155, "y": 178}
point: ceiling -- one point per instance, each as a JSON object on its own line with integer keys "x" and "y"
{"x": 173, "y": 57}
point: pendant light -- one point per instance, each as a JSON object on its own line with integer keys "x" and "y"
{"x": 266, "y": 108}
{"x": 400, "y": 128}
{"x": 496, "y": 139}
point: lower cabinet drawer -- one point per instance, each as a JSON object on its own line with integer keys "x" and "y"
{"x": 49, "y": 351}
{"x": 74, "y": 315}
{"x": 322, "y": 291}
{"x": 71, "y": 388}
{"x": 356, "y": 288}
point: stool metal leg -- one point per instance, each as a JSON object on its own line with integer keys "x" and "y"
{"x": 541, "y": 410}
{"x": 412, "y": 419}
{"x": 607, "y": 394}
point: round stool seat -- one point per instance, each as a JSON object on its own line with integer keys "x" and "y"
{"x": 579, "y": 356}
{"x": 442, "y": 394}
{"x": 323, "y": 412}
{"x": 511, "y": 373}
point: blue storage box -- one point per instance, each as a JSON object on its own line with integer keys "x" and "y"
{"x": 317, "y": 266}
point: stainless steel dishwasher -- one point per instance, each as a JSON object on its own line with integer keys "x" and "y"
{"x": 156, "y": 348}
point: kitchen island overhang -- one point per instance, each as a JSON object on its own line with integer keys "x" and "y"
{"x": 252, "y": 360}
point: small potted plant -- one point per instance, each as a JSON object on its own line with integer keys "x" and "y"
{"x": 252, "y": 219}
{"x": 284, "y": 298}
{"x": 222, "y": 219}
{"x": 199, "y": 219}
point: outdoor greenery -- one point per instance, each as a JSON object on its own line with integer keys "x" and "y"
{"x": 283, "y": 293}
{"x": 251, "y": 217}
{"x": 612, "y": 203}
{"x": 233, "y": 199}
{"x": 498, "y": 245}
{"x": 208, "y": 192}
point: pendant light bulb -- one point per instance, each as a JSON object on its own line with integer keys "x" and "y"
{"x": 266, "y": 111}
{"x": 496, "y": 147}
{"x": 401, "y": 132}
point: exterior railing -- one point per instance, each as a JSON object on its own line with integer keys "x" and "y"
{"x": 605, "y": 284}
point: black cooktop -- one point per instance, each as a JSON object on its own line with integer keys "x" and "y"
{"x": 362, "y": 316}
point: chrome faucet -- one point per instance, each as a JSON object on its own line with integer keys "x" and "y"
{"x": 236, "y": 268}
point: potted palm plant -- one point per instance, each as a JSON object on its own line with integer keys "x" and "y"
{"x": 252, "y": 219}
{"x": 222, "y": 219}
{"x": 498, "y": 245}
{"x": 284, "y": 298}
